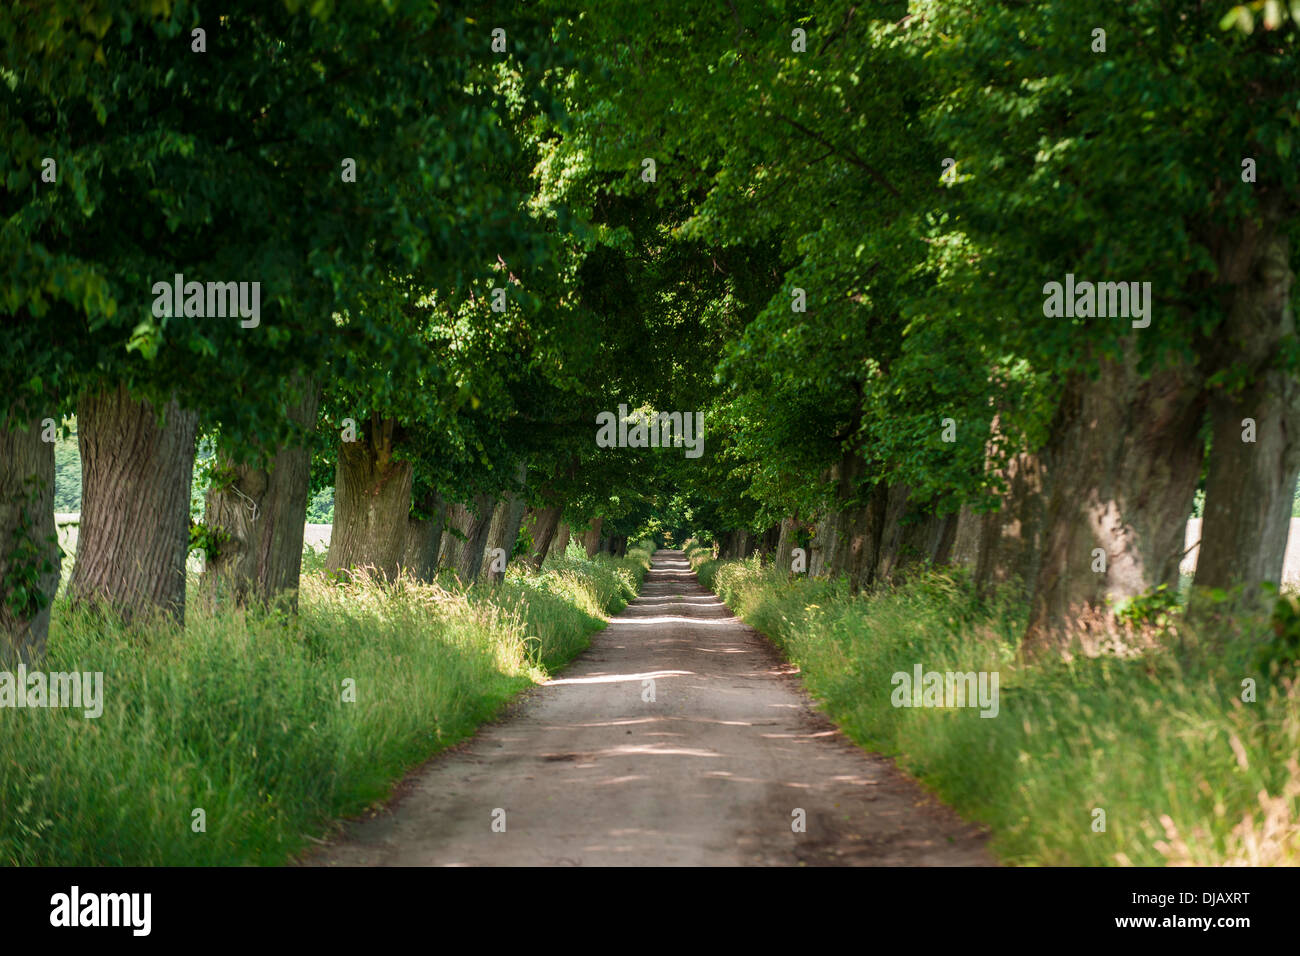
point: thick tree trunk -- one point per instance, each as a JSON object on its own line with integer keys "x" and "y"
{"x": 591, "y": 539}
{"x": 936, "y": 538}
{"x": 733, "y": 545}
{"x": 966, "y": 538}
{"x": 785, "y": 545}
{"x": 744, "y": 543}
{"x": 134, "y": 531}
{"x": 1124, "y": 460}
{"x": 1250, "y": 486}
{"x": 372, "y": 504}
{"x": 477, "y": 520}
{"x": 913, "y": 537}
{"x": 264, "y": 513}
{"x": 825, "y": 535}
{"x": 458, "y": 520}
{"x": 893, "y": 535}
{"x": 506, "y": 519}
{"x": 560, "y": 543}
{"x": 423, "y": 537}
{"x": 545, "y": 525}
{"x": 1011, "y": 538}
{"x": 852, "y": 536}
{"x": 864, "y": 555}
{"x": 29, "y": 549}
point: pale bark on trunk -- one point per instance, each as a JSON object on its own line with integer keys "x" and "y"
{"x": 264, "y": 513}
{"x": 29, "y": 549}
{"x": 966, "y": 538}
{"x": 785, "y": 545}
{"x": 134, "y": 532}
{"x": 1250, "y": 486}
{"x": 1124, "y": 461}
{"x": 825, "y": 537}
{"x": 372, "y": 504}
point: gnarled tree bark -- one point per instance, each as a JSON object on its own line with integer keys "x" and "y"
{"x": 134, "y": 532}
{"x": 372, "y": 503}
{"x": 1250, "y": 485}
{"x": 1124, "y": 460}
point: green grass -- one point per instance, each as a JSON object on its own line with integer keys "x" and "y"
{"x": 242, "y": 714}
{"x": 1162, "y": 742}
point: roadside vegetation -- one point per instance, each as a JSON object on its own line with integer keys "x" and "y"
{"x": 1154, "y": 731}
{"x": 244, "y": 714}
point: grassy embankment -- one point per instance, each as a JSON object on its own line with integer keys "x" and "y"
{"x": 243, "y": 714}
{"x": 1162, "y": 741}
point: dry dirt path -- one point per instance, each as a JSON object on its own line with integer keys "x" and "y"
{"x": 589, "y": 772}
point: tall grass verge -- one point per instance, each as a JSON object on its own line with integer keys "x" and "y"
{"x": 1185, "y": 770}
{"x": 245, "y": 716}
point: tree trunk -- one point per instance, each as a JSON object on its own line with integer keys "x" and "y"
{"x": 913, "y": 537}
{"x": 458, "y": 520}
{"x": 591, "y": 539}
{"x": 1011, "y": 538}
{"x": 821, "y": 548}
{"x": 729, "y": 546}
{"x": 477, "y": 523}
{"x": 509, "y": 514}
{"x": 264, "y": 513}
{"x": 850, "y": 537}
{"x": 423, "y": 537}
{"x": 545, "y": 526}
{"x": 966, "y": 538}
{"x": 29, "y": 549}
{"x": 1250, "y": 486}
{"x": 372, "y": 504}
{"x": 785, "y": 546}
{"x": 560, "y": 543}
{"x": 1124, "y": 460}
{"x": 744, "y": 543}
{"x": 134, "y": 532}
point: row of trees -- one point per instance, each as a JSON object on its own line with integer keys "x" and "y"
{"x": 914, "y": 175}
{"x": 371, "y": 168}
{"x": 476, "y": 229}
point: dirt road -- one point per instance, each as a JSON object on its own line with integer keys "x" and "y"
{"x": 589, "y": 770}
